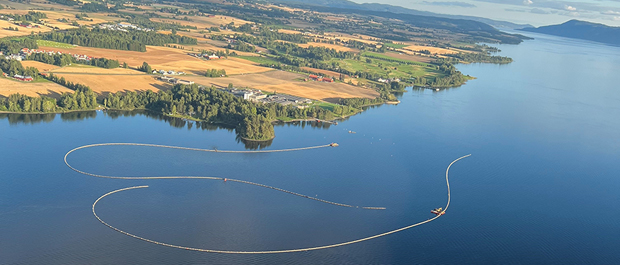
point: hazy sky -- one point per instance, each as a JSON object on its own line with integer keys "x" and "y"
{"x": 535, "y": 12}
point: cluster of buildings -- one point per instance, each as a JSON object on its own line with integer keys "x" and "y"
{"x": 389, "y": 80}
{"x": 259, "y": 96}
{"x": 320, "y": 78}
{"x": 169, "y": 72}
{"x": 20, "y": 77}
{"x": 175, "y": 80}
{"x": 205, "y": 56}
{"x": 25, "y": 52}
{"x": 122, "y": 27}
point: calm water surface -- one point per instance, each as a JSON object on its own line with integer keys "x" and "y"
{"x": 540, "y": 188}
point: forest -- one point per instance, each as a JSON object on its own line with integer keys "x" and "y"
{"x": 134, "y": 40}
{"x": 66, "y": 59}
{"x": 82, "y": 99}
{"x": 252, "y": 120}
{"x": 215, "y": 73}
{"x": 14, "y": 45}
{"x": 14, "y": 67}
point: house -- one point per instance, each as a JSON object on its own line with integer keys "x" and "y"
{"x": 163, "y": 72}
{"x": 23, "y": 78}
{"x": 328, "y": 80}
{"x": 172, "y": 72}
{"x": 314, "y": 77}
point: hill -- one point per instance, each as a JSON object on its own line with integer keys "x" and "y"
{"x": 346, "y": 4}
{"x": 582, "y": 30}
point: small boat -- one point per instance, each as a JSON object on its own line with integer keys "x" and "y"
{"x": 352, "y": 132}
{"x": 225, "y": 179}
{"x": 333, "y": 144}
{"x": 438, "y": 211}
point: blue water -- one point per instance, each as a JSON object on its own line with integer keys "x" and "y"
{"x": 541, "y": 186}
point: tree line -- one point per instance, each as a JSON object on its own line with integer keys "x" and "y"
{"x": 215, "y": 73}
{"x": 134, "y": 40}
{"x": 82, "y": 99}
{"x": 66, "y": 59}
{"x": 14, "y": 67}
{"x": 252, "y": 120}
{"x": 14, "y": 45}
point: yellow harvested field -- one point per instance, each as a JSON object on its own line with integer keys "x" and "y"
{"x": 43, "y": 67}
{"x": 164, "y": 58}
{"x": 104, "y": 84}
{"x": 8, "y": 87}
{"x": 289, "y": 83}
{"x": 22, "y": 31}
{"x": 325, "y": 73}
{"x": 233, "y": 66}
{"x": 415, "y": 48}
{"x": 329, "y": 46}
{"x": 288, "y": 31}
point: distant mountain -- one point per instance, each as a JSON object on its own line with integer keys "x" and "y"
{"x": 582, "y": 30}
{"x": 346, "y": 4}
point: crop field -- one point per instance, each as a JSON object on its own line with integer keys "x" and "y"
{"x": 391, "y": 69}
{"x": 54, "y": 44}
{"x": 258, "y": 59}
{"x": 396, "y": 45}
{"x": 103, "y": 84}
{"x": 286, "y": 82}
{"x": 416, "y": 48}
{"x": 164, "y": 58}
{"x": 386, "y": 57}
{"x": 329, "y": 46}
{"x": 43, "y": 67}
{"x": 4, "y": 32}
{"x": 50, "y": 89}
{"x": 326, "y": 73}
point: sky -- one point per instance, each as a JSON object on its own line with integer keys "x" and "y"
{"x": 534, "y": 12}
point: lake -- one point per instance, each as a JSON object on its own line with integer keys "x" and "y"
{"x": 541, "y": 186}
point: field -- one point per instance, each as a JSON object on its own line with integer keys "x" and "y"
{"x": 43, "y": 67}
{"x": 54, "y": 44}
{"x": 8, "y": 87}
{"x": 386, "y": 68}
{"x": 259, "y": 59}
{"x": 409, "y": 57}
{"x": 104, "y": 81}
{"x": 168, "y": 59}
{"x": 329, "y": 46}
{"x": 433, "y": 50}
{"x": 395, "y": 45}
{"x": 326, "y": 73}
{"x": 104, "y": 84}
{"x": 287, "y": 83}
{"x": 4, "y": 32}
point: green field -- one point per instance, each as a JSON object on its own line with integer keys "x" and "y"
{"x": 391, "y": 69}
{"x": 375, "y": 55}
{"x": 395, "y": 46}
{"x": 324, "y": 105}
{"x": 54, "y": 44}
{"x": 259, "y": 59}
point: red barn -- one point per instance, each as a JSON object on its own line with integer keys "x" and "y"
{"x": 329, "y": 80}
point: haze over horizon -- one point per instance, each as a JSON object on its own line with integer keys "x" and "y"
{"x": 535, "y": 12}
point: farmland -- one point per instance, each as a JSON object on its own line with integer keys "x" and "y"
{"x": 8, "y": 87}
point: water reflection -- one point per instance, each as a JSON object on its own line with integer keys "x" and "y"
{"x": 15, "y": 119}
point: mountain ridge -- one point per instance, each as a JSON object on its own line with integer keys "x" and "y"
{"x": 403, "y": 10}
{"x": 584, "y": 30}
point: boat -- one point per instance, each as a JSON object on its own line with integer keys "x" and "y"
{"x": 438, "y": 211}
{"x": 333, "y": 144}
